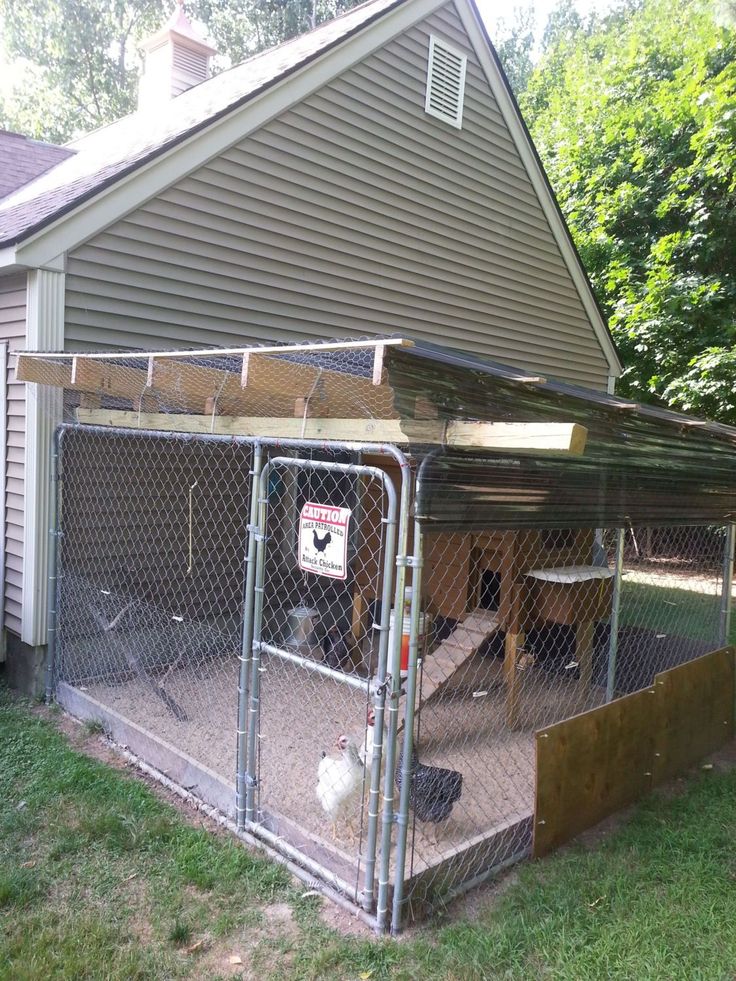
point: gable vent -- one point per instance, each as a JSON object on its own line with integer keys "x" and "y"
{"x": 445, "y": 82}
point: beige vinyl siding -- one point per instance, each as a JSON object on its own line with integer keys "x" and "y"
{"x": 353, "y": 214}
{"x": 13, "y": 330}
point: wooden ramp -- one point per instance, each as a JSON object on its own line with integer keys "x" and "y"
{"x": 469, "y": 635}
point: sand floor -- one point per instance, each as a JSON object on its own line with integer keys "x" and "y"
{"x": 303, "y": 713}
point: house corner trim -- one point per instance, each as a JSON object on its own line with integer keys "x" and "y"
{"x": 44, "y": 332}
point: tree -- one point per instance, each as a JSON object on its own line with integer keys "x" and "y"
{"x": 78, "y": 68}
{"x": 513, "y": 40}
{"x": 76, "y": 60}
{"x": 636, "y": 124}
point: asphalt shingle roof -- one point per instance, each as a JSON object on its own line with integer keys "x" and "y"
{"x": 97, "y": 160}
{"x": 23, "y": 159}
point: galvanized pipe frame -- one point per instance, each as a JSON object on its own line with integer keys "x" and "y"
{"x": 52, "y": 598}
{"x": 391, "y": 681}
{"x": 246, "y": 643}
{"x": 615, "y": 611}
{"x": 417, "y": 563}
{"x": 727, "y": 585}
{"x": 316, "y": 667}
{"x": 259, "y": 646}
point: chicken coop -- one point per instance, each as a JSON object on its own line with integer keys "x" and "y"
{"x": 402, "y": 615}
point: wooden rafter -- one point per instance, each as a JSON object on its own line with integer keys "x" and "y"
{"x": 266, "y": 384}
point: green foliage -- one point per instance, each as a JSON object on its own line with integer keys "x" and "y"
{"x": 513, "y": 39}
{"x": 635, "y": 118}
{"x": 76, "y": 61}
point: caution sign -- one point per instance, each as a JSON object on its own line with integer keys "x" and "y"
{"x": 323, "y": 540}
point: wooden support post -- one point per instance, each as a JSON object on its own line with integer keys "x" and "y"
{"x": 310, "y": 407}
{"x": 584, "y": 634}
{"x": 424, "y": 408}
{"x": 512, "y": 644}
{"x": 358, "y": 620}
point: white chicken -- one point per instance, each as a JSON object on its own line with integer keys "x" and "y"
{"x": 340, "y": 783}
{"x": 366, "y": 750}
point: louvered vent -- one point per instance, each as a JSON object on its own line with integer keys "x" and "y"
{"x": 445, "y": 82}
{"x": 194, "y": 63}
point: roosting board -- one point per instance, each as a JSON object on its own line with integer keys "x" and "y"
{"x": 594, "y": 764}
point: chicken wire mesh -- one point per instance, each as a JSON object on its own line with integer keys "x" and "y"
{"x": 150, "y": 583}
{"x": 515, "y": 629}
{"x": 298, "y": 387}
{"x": 519, "y": 630}
{"x": 321, "y": 635}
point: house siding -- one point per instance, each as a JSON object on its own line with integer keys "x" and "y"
{"x": 13, "y": 330}
{"x": 353, "y": 214}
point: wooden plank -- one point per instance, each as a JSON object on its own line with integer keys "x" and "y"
{"x": 591, "y": 766}
{"x": 696, "y": 711}
{"x": 43, "y": 371}
{"x": 509, "y": 437}
{"x": 337, "y": 393}
{"x": 110, "y": 379}
{"x": 352, "y": 430}
{"x": 172, "y": 761}
{"x": 313, "y": 348}
{"x": 489, "y": 435}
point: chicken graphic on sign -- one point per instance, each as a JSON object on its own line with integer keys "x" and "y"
{"x": 323, "y": 540}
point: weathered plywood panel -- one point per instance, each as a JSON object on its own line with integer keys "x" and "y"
{"x": 596, "y": 763}
{"x": 590, "y": 766}
{"x": 696, "y": 711}
{"x": 447, "y": 574}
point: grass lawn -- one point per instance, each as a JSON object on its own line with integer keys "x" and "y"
{"x": 681, "y": 612}
{"x": 101, "y": 878}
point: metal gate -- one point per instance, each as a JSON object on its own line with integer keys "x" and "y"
{"x": 321, "y": 578}
{"x": 224, "y": 610}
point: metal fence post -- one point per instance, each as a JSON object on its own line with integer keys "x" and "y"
{"x": 384, "y": 873}
{"x": 251, "y": 776}
{"x": 379, "y": 700}
{"x": 727, "y": 586}
{"x": 246, "y": 647}
{"x": 407, "y": 769}
{"x": 618, "y": 567}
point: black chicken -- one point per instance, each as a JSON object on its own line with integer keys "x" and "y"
{"x": 434, "y": 790}
{"x": 336, "y": 649}
{"x": 321, "y": 543}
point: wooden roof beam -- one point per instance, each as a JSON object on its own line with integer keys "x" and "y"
{"x": 556, "y": 438}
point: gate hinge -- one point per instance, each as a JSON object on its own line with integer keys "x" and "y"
{"x": 377, "y": 690}
{"x": 409, "y": 562}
